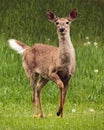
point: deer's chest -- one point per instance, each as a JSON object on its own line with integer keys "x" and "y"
{"x": 64, "y": 75}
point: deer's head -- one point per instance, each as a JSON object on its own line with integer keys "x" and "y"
{"x": 62, "y": 24}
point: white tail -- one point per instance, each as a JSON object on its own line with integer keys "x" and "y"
{"x": 44, "y": 62}
{"x": 15, "y": 46}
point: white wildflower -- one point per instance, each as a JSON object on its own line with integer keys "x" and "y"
{"x": 91, "y": 110}
{"x": 85, "y": 44}
{"x": 96, "y": 71}
{"x": 48, "y": 39}
{"x": 95, "y": 43}
{"x": 88, "y": 43}
{"x": 73, "y": 110}
{"x": 87, "y": 38}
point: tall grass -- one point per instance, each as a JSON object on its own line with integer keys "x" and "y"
{"x": 27, "y": 21}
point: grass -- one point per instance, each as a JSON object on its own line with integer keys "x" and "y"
{"x": 84, "y": 107}
{"x": 17, "y": 117}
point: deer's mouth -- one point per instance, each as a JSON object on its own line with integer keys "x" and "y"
{"x": 62, "y": 31}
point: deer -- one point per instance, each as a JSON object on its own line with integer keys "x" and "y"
{"x": 43, "y": 62}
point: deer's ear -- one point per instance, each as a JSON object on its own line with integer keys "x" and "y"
{"x": 51, "y": 16}
{"x": 72, "y": 15}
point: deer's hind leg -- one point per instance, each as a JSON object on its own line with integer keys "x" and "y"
{"x": 33, "y": 83}
{"x": 41, "y": 83}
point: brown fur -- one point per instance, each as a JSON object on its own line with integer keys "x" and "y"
{"x": 44, "y": 62}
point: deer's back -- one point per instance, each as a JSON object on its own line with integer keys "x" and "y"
{"x": 38, "y": 58}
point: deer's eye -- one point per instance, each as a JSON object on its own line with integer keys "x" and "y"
{"x": 67, "y": 22}
{"x": 57, "y": 23}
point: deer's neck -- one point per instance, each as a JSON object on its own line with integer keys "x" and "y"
{"x": 65, "y": 41}
{"x": 66, "y": 50}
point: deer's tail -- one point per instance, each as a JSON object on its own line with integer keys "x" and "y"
{"x": 18, "y": 46}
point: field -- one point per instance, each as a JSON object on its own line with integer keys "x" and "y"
{"x": 27, "y": 22}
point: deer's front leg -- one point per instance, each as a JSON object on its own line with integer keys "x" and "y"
{"x": 60, "y": 109}
{"x": 53, "y": 75}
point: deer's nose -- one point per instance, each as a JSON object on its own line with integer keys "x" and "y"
{"x": 62, "y": 29}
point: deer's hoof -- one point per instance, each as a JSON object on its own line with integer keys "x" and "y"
{"x": 58, "y": 113}
{"x": 41, "y": 116}
{"x": 35, "y": 116}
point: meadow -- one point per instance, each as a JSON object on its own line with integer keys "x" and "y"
{"x": 27, "y": 22}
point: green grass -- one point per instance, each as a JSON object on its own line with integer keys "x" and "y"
{"x": 27, "y": 21}
{"x": 16, "y": 116}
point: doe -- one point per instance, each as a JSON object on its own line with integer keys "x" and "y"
{"x": 45, "y": 62}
